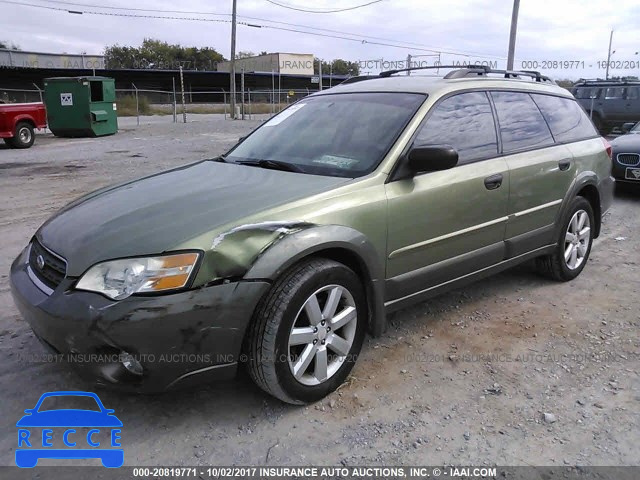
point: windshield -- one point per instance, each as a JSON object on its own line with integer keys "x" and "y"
{"x": 636, "y": 128}
{"x": 344, "y": 135}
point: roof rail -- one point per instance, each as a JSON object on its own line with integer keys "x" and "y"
{"x": 388, "y": 73}
{"x": 358, "y": 78}
{"x": 619, "y": 81}
{"x": 474, "y": 70}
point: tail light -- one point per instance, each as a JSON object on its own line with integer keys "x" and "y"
{"x": 607, "y": 147}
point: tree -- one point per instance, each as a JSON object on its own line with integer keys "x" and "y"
{"x": 338, "y": 67}
{"x": 244, "y": 54}
{"x": 566, "y": 83}
{"x": 160, "y": 55}
{"x": 9, "y": 46}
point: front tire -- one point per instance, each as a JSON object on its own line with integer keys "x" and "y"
{"x": 573, "y": 246}
{"x": 307, "y": 332}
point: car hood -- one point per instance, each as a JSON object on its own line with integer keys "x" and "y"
{"x": 158, "y": 213}
{"x": 69, "y": 418}
{"x": 630, "y": 141}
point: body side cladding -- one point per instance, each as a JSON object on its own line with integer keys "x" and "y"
{"x": 332, "y": 241}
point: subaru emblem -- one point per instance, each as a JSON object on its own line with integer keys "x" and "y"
{"x": 40, "y": 262}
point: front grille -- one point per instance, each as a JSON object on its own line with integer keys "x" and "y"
{"x": 54, "y": 268}
{"x": 629, "y": 159}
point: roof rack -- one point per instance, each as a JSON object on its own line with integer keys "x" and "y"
{"x": 595, "y": 81}
{"x": 358, "y": 78}
{"x": 474, "y": 70}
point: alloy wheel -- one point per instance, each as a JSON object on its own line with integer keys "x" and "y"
{"x": 577, "y": 239}
{"x": 322, "y": 335}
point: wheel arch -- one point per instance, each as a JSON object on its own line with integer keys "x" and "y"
{"x": 586, "y": 186}
{"x": 24, "y": 119}
{"x": 335, "y": 242}
{"x": 590, "y": 192}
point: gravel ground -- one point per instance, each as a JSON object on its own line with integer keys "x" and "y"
{"x": 514, "y": 370}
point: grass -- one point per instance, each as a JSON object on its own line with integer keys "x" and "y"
{"x": 127, "y": 106}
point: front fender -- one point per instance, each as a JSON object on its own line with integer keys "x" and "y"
{"x": 307, "y": 240}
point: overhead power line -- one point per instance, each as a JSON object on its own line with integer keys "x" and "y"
{"x": 133, "y": 9}
{"x": 397, "y": 43}
{"x": 340, "y": 35}
{"x": 131, "y": 15}
{"x": 334, "y": 10}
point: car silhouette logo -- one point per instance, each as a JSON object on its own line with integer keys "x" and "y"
{"x": 40, "y": 262}
{"x": 68, "y": 420}
{"x": 636, "y": 172}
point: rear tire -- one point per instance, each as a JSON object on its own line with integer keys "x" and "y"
{"x": 23, "y": 136}
{"x": 573, "y": 244}
{"x": 307, "y": 332}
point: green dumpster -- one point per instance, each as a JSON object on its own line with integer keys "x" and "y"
{"x": 81, "y": 106}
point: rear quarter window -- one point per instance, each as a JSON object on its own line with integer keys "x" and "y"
{"x": 521, "y": 123}
{"x": 633, "y": 93}
{"x": 566, "y": 119}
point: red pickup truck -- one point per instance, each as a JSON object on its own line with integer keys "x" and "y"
{"x": 18, "y": 121}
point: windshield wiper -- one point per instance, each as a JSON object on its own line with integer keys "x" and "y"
{"x": 272, "y": 164}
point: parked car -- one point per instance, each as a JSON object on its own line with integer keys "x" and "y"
{"x": 351, "y": 203}
{"x": 18, "y": 122}
{"x": 626, "y": 154}
{"x": 610, "y": 103}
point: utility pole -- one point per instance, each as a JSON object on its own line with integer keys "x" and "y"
{"x": 408, "y": 64}
{"x": 233, "y": 61}
{"x": 606, "y": 75}
{"x": 512, "y": 34}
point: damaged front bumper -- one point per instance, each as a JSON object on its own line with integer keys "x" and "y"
{"x": 141, "y": 343}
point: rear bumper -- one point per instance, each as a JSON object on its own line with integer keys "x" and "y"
{"x": 179, "y": 339}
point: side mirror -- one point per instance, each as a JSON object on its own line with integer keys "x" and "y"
{"x": 626, "y": 127}
{"x": 432, "y": 158}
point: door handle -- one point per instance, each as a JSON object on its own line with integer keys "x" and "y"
{"x": 493, "y": 182}
{"x": 564, "y": 164}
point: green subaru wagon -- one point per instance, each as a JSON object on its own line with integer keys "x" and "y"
{"x": 283, "y": 253}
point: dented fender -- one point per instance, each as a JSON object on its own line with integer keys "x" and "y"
{"x": 305, "y": 240}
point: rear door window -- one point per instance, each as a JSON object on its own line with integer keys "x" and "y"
{"x": 567, "y": 121}
{"x": 521, "y": 123}
{"x": 614, "y": 93}
{"x": 465, "y": 122}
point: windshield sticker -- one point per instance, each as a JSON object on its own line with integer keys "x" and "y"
{"x": 339, "y": 162}
{"x": 281, "y": 117}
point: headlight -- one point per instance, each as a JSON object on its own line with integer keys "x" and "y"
{"x": 118, "y": 279}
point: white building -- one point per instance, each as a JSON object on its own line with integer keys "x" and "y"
{"x": 25, "y": 59}
{"x": 284, "y": 63}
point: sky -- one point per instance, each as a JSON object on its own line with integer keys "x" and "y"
{"x": 573, "y": 32}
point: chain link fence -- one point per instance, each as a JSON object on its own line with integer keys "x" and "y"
{"x": 138, "y": 102}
